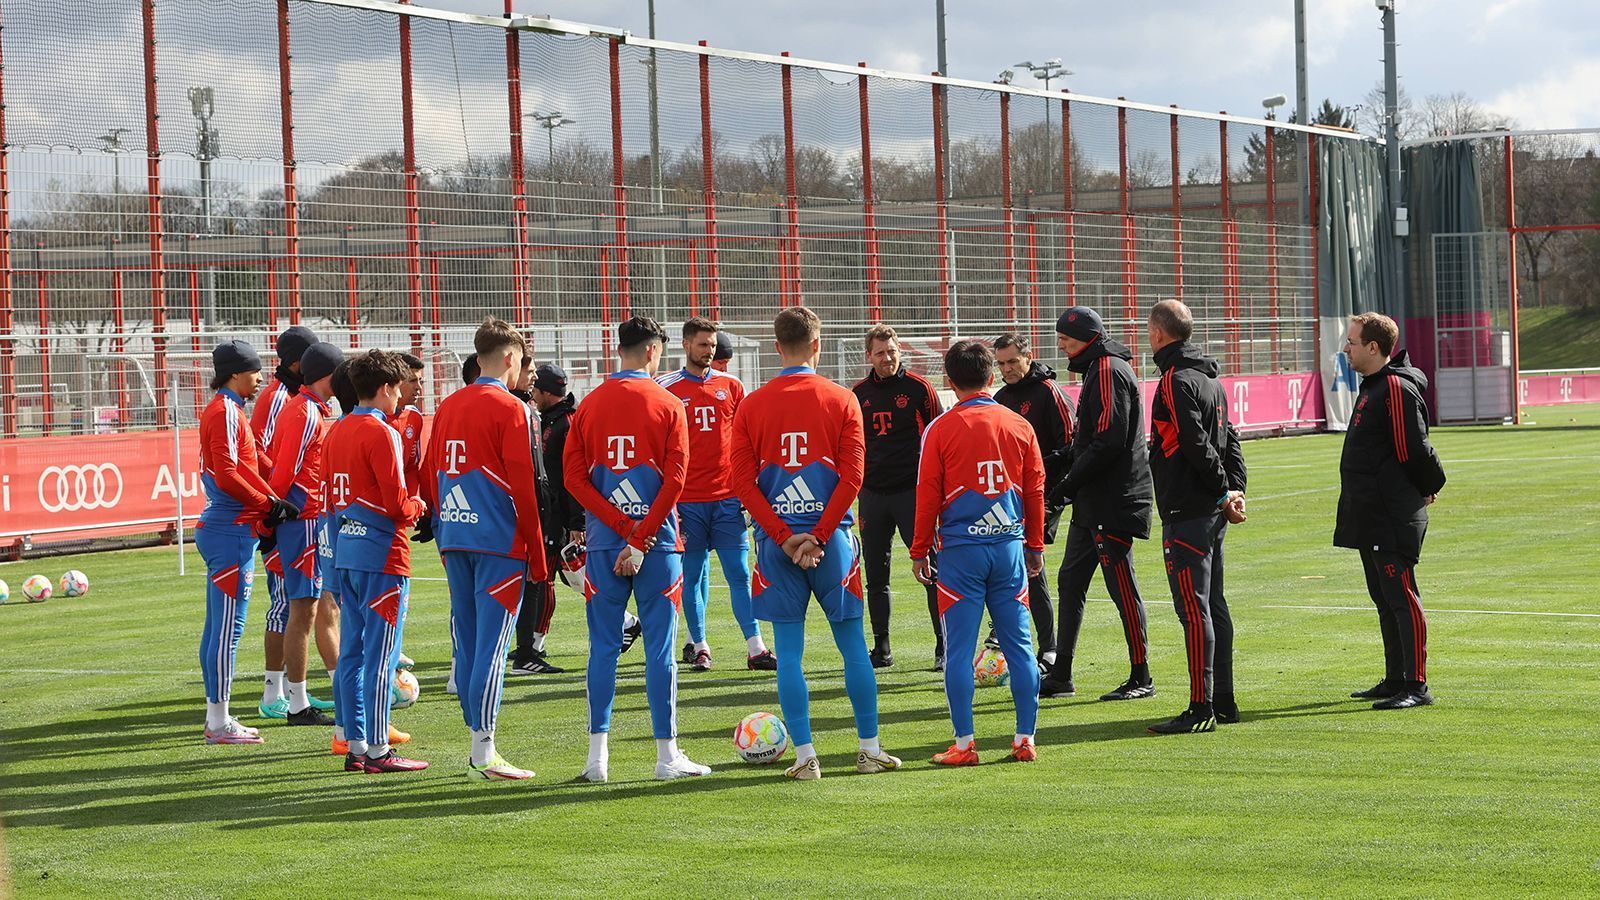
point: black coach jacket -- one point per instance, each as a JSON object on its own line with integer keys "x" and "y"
{"x": 1388, "y": 467}
{"x": 1109, "y": 480}
{"x": 1195, "y": 458}
{"x": 1040, "y": 399}
{"x": 554, "y": 423}
{"x": 895, "y": 411}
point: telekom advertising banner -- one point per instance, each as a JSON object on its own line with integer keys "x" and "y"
{"x": 61, "y": 487}
{"x": 1259, "y": 402}
{"x": 1548, "y": 390}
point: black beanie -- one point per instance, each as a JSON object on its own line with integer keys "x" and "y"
{"x": 724, "y": 346}
{"x": 233, "y": 357}
{"x": 1081, "y": 323}
{"x": 294, "y": 342}
{"x": 319, "y": 361}
{"x": 551, "y": 378}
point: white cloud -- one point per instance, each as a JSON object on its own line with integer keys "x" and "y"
{"x": 1560, "y": 98}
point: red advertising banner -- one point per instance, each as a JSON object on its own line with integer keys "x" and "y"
{"x": 1548, "y": 390}
{"x": 1260, "y": 402}
{"x": 64, "y": 487}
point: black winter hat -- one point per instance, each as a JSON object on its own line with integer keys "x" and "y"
{"x": 319, "y": 361}
{"x": 724, "y": 346}
{"x": 233, "y": 357}
{"x": 293, "y": 343}
{"x": 1081, "y": 323}
{"x": 550, "y": 378}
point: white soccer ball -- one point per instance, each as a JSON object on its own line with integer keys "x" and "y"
{"x": 404, "y": 690}
{"x": 5, "y": 592}
{"x": 74, "y": 584}
{"x": 761, "y": 738}
{"x": 37, "y": 589}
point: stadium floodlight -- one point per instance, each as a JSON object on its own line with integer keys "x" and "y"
{"x": 1047, "y": 71}
{"x": 113, "y": 141}
{"x": 550, "y": 121}
{"x": 1005, "y": 76}
{"x": 1272, "y": 103}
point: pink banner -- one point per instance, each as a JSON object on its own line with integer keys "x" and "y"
{"x": 1260, "y": 402}
{"x": 57, "y": 488}
{"x": 1548, "y": 390}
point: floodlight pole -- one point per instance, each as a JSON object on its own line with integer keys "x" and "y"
{"x": 1302, "y": 99}
{"x": 1047, "y": 71}
{"x": 944, "y": 109}
{"x": 1391, "y": 90}
{"x": 202, "y": 99}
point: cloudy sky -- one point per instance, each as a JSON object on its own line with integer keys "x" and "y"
{"x": 1537, "y": 61}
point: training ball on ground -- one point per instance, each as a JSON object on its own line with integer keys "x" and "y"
{"x": 403, "y": 692}
{"x": 761, "y": 738}
{"x": 5, "y": 592}
{"x": 37, "y": 589}
{"x": 990, "y": 669}
{"x": 74, "y": 584}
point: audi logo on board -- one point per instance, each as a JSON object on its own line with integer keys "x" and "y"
{"x": 74, "y": 488}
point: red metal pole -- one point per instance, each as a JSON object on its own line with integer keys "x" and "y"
{"x": 199, "y": 398}
{"x": 158, "y": 271}
{"x": 1230, "y": 273}
{"x": 521, "y": 264}
{"x": 8, "y": 348}
{"x": 45, "y": 350}
{"x": 619, "y": 192}
{"x": 1033, "y": 278}
{"x": 412, "y": 189}
{"x": 1511, "y": 279}
{"x": 791, "y": 191}
{"x": 869, "y": 219}
{"x": 1130, "y": 272}
{"x": 291, "y": 205}
{"x": 941, "y": 210}
{"x": 272, "y": 295}
{"x": 709, "y": 187}
{"x": 352, "y": 298}
{"x": 1177, "y": 213}
{"x": 694, "y": 280}
{"x": 1069, "y": 250}
{"x": 1272, "y": 244}
{"x": 434, "y": 304}
{"x": 1008, "y": 224}
{"x": 119, "y": 344}
{"x": 605, "y": 288}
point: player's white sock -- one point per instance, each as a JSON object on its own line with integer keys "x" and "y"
{"x": 1049, "y": 657}
{"x": 333, "y": 677}
{"x": 871, "y": 746}
{"x": 273, "y": 689}
{"x": 378, "y": 750}
{"x": 599, "y": 748}
{"x": 538, "y": 642}
{"x": 1022, "y": 738}
{"x": 666, "y": 750}
{"x": 702, "y": 645}
{"x": 298, "y": 700}
{"x": 338, "y": 732}
{"x": 482, "y": 747}
{"x": 964, "y": 742}
{"x": 804, "y": 752}
{"x": 359, "y": 748}
{"x": 216, "y": 716}
{"x": 755, "y": 645}
{"x": 450, "y": 683}
{"x": 629, "y": 619}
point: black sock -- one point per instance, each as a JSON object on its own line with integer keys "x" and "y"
{"x": 1140, "y": 673}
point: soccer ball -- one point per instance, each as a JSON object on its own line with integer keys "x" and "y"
{"x": 403, "y": 692}
{"x": 5, "y": 592}
{"x": 74, "y": 584}
{"x": 37, "y": 589}
{"x": 761, "y": 738}
{"x": 990, "y": 669}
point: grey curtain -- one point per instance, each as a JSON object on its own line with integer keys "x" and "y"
{"x": 1444, "y": 196}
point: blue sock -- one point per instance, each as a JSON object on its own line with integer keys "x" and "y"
{"x": 789, "y": 642}
{"x": 697, "y": 581}
{"x": 859, "y": 681}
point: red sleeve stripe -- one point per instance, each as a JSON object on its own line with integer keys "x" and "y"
{"x": 1059, "y": 395}
{"x": 929, "y": 393}
{"x": 1105, "y": 394}
{"x": 1397, "y": 416}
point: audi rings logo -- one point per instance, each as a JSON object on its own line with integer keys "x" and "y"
{"x": 74, "y": 488}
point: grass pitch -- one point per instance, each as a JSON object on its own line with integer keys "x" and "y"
{"x": 107, "y": 790}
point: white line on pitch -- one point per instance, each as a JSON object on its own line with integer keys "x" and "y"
{"x": 1431, "y": 609}
{"x": 1320, "y": 490}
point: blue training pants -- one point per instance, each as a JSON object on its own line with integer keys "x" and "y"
{"x": 973, "y": 577}
{"x": 697, "y": 580}
{"x": 794, "y": 696}
{"x": 485, "y": 595}
{"x": 230, "y": 570}
{"x": 371, "y": 607}
{"x": 657, "y": 591}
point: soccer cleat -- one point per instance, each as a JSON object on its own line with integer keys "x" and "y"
{"x": 396, "y": 736}
{"x": 497, "y": 769}
{"x": 702, "y": 661}
{"x": 992, "y": 642}
{"x": 1024, "y": 751}
{"x": 630, "y": 635}
{"x": 1383, "y": 690}
{"x": 1194, "y": 720}
{"x": 762, "y": 662}
{"x": 393, "y": 762}
{"x": 309, "y": 716}
{"x": 873, "y": 763}
{"x": 1226, "y": 709}
{"x": 277, "y": 709}
{"x": 1051, "y": 687}
{"x": 956, "y": 756}
{"x": 881, "y": 657}
{"x": 1131, "y": 690}
{"x": 687, "y": 656}
{"x": 354, "y": 763}
{"x": 938, "y": 663}
{"x": 807, "y": 769}
{"x": 324, "y": 705}
{"x": 680, "y": 767}
{"x": 537, "y": 665}
{"x": 339, "y": 748}
{"x": 233, "y": 733}
{"x": 1411, "y": 697}
{"x": 594, "y": 773}
{"x": 405, "y": 662}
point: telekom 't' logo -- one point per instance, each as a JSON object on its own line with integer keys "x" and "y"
{"x": 341, "y": 490}
{"x": 992, "y": 475}
{"x": 705, "y": 417}
{"x": 455, "y": 454}
{"x": 620, "y": 448}
{"x": 794, "y": 447}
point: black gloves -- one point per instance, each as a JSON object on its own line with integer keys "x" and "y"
{"x": 281, "y": 512}
{"x": 424, "y": 532}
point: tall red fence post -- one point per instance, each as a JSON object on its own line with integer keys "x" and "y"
{"x": 694, "y": 279}
{"x": 1008, "y": 239}
{"x": 521, "y": 265}
{"x": 119, "y": 344}
{"x": 869, "y": 218}
{"x": 158, "y": 270}
{"x": 791, "y": 192}
{"x": 1272, "y": 242}
{"x": 412, "y": 188}
{"x": 291, "y": 203}
{"x": 1177, "y": 213}
{"x": 619, "y": 192}
{"x": 941, "y": 210}
{"x": 709, "y": 190}
{"x": 352, "y": 296}
{"x": 1033, "y": 279}
{"x": 1230, "y": 263}
{"x": 199, "y": 388}
{"x": 272, "y": 295}
{"x": 47, "y": 400}
{"x": 1130, "y": 271}
{"x": 605, "y": 289}
{"x": 8, "y": 347}
{"x": 1069, "y": 249}
{"x": 1511, "y": 281}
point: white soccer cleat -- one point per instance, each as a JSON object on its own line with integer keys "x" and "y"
{"x": 233, "y": 733}
{"x": 873, "y": 763}
{"x": 680, "y": 767}
{"x": 497, "y": 769}
{"x": 809, "y": 770}
{"x": 594, "y": 773}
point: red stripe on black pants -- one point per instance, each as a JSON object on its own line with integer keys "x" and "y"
{"x": 1193, "y": 555}
{"x": 1085, "y": 551}
{"x": 1392, "y": 584}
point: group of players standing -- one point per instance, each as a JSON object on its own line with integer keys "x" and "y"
{"x": 664, "y": 470}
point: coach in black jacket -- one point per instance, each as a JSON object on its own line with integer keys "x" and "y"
{"x": 560, "y": 517}
{"x": 1388, "y": 476}
{"x": 1032, "y": 392}
{"x": 1108, "y": 485}
{"x": 1199, "y": 476}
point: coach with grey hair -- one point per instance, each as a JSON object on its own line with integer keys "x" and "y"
{"x": 1199, "y": 476}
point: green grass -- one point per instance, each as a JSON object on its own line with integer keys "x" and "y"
{"x": 108, "y": 791}
{"x": 1558, "y": 337}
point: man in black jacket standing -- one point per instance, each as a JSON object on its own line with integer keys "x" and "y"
{"x": 1108, "y": 485}
{"x": 1389, "y": 475}
{"x": 1199, "y": 476}
{"x": 897, "y": 405}
{"x": 561, "y": 518}
{"x": 1032, "y": 392}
